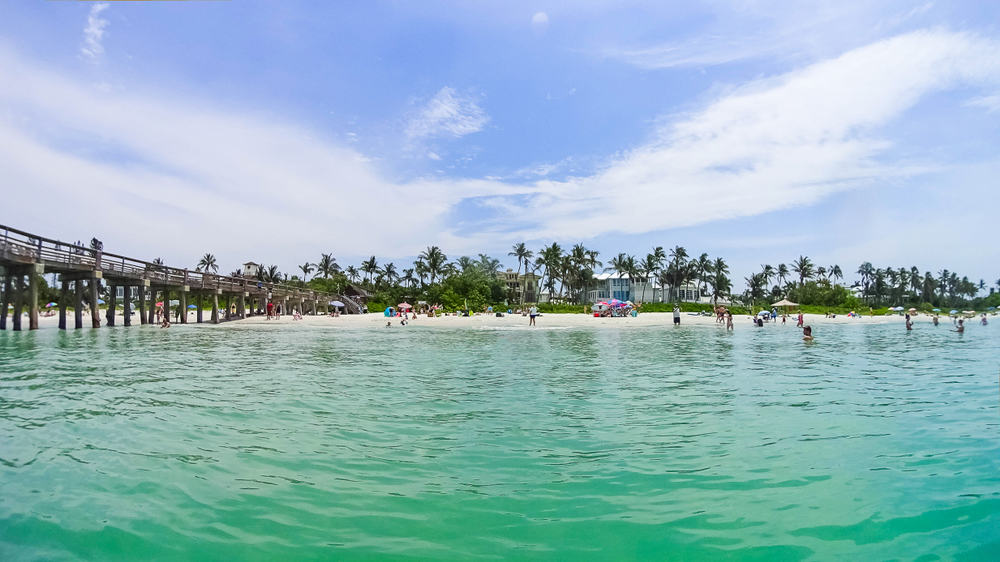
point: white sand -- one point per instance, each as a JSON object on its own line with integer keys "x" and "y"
{"x": 377, "y": 320}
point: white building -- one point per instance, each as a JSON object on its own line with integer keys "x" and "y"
{"x": 611, "y": 286}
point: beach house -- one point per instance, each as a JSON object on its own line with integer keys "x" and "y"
{"x": 522, "y": 287}
{"x": 610, "y": 285}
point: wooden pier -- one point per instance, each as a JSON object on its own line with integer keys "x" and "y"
{"x": 25, "y": 257}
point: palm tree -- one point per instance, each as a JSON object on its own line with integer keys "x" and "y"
{"x": 352, "y": 273}
{"x": 327, "y": 266}
{"x": 389, "y": 272}
{"x": 489, "y": 265}
{"x": 677, "y": 269}
{"x": 721, "y": 285}
{"x": 370, "y": 267}
{"x": 522, "y": 253}
{"x": 306, "y": 269}
{"x": 804, "y": 267}
{"x": 703, "y": 268}
{"x": 821, "y": 273}
{"x": 408, "y": 279}
{"x": 434, "y": 259}
{"x": 207, "y": 263}
{"x": 836, "y": 272}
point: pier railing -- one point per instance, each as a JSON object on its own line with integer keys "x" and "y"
{"x": 18, "y": 246}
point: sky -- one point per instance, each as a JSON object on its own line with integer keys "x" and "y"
{"x": 274, "y": 132}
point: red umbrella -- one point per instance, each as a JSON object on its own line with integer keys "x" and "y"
{"x": 404, "y": 305}
{"x": 159, "y": 303}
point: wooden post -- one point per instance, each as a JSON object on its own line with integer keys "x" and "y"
{"x": 243, "y": 305}
{"x": 33, "y": 276}
{"x": 199, "y": 315}
{"x": 109, "y": 314}
{"x": 95, "y": 314}
{"x": 166, "y": 303}
{"x": 127, "y": 305}
{"x": 142, "y": 303}
{"x": 18, "y": 298}
{"x": 151, "y": 319}
{"x": 215, "y": 306}
{"x": 7, "y": 289}
{"x": 184, "y": 302}
{"x": 78, "y": 307}
{"x": 62, "y": 303}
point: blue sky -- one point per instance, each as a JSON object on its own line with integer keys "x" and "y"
{"x": 276, "y": 131}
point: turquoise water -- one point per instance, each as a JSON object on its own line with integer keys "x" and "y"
{"x": 268, "y": 443}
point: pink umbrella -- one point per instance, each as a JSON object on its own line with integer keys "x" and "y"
{"x": 405, "y": 305}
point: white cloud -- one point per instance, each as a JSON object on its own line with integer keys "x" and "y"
{"x": 769, "y": 29}
{"x": 153, "y": 171}
{"x": 991, "y": 103}
{"x": 93, "y": 34}
{"x": 540, "y": 21}
{"x": 447, "y": 114}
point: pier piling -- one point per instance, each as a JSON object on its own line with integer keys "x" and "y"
{"x": 7, "y": 288}
{"x": 78, "y": 306}
{"x": 63, "y": 295}
{"x": 18, "y": 299}
{"x": 127, "y": 305}
{"x": 142, "y": 304}
{"x": 95, "y": 315}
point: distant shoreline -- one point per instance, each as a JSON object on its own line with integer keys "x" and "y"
{"x": 567, "y": 320}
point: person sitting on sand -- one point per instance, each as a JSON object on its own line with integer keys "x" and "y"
{"x": 807, "y": 333}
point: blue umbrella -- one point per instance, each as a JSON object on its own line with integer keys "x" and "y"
{"x": 100, "y": 301}
{"x": 937, "y": 310}
{"x": 192, "y": 306}
{"x": 953, "y": 311}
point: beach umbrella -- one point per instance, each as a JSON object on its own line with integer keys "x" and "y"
{"x": 159, "y": 303}
{"x": 337, "y": 304}
{"x": 953, "y": 311}
{"x": 763, "y": 313}
{"x": 912, "y": 309}
{"x": 174, "y": 302}
{"x": 785, "y": 302}
{"x": 404, "y": 305}
{"x": 50, "y": 305}
{"x": 100, "y": 301}
{"x": 190, "y": 306}
{"x": 936, "y": 310}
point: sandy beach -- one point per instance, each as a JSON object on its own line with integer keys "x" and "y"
{"x": 552, "y": 320}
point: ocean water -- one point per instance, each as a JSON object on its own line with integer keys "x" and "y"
{"x": 278, "y": 443}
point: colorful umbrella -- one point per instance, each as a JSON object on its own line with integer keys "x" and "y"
{"x": 404, "y": 305}
{"x": 192, "y": 306}
{"x": 338, "y": 304}
{"x": 159, "y": 303}
{"x": 50, "y": 305}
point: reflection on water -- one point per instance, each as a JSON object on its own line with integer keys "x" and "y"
{"x": 270, "y": 442}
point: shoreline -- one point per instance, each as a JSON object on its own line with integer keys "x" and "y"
{"x": 552, "y": 320}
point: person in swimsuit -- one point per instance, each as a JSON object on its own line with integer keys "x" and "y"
{"x": 807, "y": 333}
{"x": 532, "y": 313}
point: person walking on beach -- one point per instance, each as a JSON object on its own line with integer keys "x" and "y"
{"x": 801, "y": 318}
{"x": 677, "y": 315}
{"x": 532, "y": 313}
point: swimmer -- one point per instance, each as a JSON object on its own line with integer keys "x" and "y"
{"x": 960, "y": 328}
{"x": 807, "y": 333}
{"x": 909, "y": 323}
